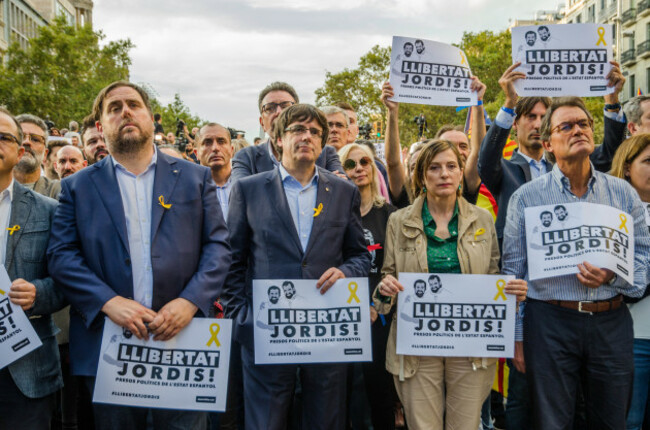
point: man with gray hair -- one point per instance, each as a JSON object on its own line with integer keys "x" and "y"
{"x": 28, "y": 170}
{"x": 273, "y": 99}
{"x": 339, "y": 124}
{"x": 637, "y": 112}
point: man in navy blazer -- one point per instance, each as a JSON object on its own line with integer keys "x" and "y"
{"x": 138, "y": 237}
{"x": 297, "y": 221}
{"x": 273, "y": 99}
{"x": 28, "y": 385}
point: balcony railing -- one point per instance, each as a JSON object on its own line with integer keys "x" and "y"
{"x": 643, "y": 8}
{"x": 629, "y": 17}
{"x": 643, "y": 49}
{"x": 607, "y": 12}
{"x": 628, "y": 57}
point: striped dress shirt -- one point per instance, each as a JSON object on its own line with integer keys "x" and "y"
{"x": 554, "y": 188}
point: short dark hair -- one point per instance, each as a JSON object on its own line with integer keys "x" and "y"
{"x": 559, "y": 207}
{"x": 89, "y": 122}
{"x": 199, "y": 135}
{"x": 545, "y": 213}
{"x": 419, "y": 41}
{"x": 157, "y": 117}
{"x": 19, "y": 130}
{"x": 299, "y": 113}
{"x": 98, "y": 104}
{"x": 289, "y": 283}
{"x": 421, "y": 282}
{"x": 432, "y": 277}
{"x": 277, "y": 86}
{"x": 273, "y": 287}
{"x": 58, "y": 143}
{"x": 543, "y": 27}
{"x": 559, "y": 102}
{"x": 407, "y": 44}
{"x": 531, "y": 32}
{"x": 525, "y": 105}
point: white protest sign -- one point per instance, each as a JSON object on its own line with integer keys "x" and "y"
{"x": 563, "y": 59}
{"x": 432, "y": 73}
{"x": 17, "y": 336}
{"x": 559, "y": 237}
{"x": 447, "y": 315}
{"x": 189, "y": 371}
{"x": 295, "y": 323}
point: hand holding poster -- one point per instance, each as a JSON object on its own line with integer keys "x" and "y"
{"x": 432, "y": 73}
{"x": 189, "y": 371}
{"x": 448, "y": 315}
{"x": 563, "y": 59}
{"x": 559, "y": 237}
{"x": 17, "y": 336}
{"x": 295, "y": 323}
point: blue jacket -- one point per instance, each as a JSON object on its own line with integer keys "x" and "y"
{"x": 265, "y": 244}
{"x": 256, "y": 159}
{"x": 89, "y": 256}
{"x": 38, "y": 373}
{"x": 503, "y": 177}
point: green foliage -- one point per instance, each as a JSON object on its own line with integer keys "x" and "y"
{"x": 176, "y": 110}
{"x": 61, "y": 72}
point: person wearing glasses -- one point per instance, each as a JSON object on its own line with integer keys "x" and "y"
{"x": 359, "y": 166}
{"x": 28, "y": 170}
{"x": 575, "y": 330}
{"x": 274, "y": 99}
{"x": 297, "y": 221}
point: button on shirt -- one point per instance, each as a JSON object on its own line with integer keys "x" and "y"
{"x": 5, "y": 216}
{"x": 137, "y": 198}
{"x": 302, "y": 201}
{"x": 223, "y": 193}
{"x": 555, "y": 188}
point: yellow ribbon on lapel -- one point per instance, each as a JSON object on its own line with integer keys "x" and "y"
{"x": 479, "y": 232}
{"x": 318, "y": 210}
{"x": 161, "y": 200}
{"x": 13, "y": 229}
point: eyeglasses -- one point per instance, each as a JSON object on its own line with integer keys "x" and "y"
{"x": 270, "y": 108}
{"x": 34, "y": 138}
{"x": 301, "y": 129}
{"x": 568, "y": 126}
{"x": 350, "y": 164}
{"x": 8, "y": 138}
{"x": 337, "y": 125}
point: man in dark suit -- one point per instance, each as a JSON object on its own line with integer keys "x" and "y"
{"x": 138, "y": 237}
{"x": 297, "y": 221}
{"x": 27, "y": 386}
{"x": 273, "y": 99}
{"x": 503, "y": 177}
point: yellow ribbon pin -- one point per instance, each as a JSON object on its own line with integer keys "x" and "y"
{"x": 601, "y": 36}
{"x": 13, "y": 229}
{"x": 3, "y": 292}
{"x": 318, "y": 210}
{"x": 479, "y": 232}
{"x": 353, "y": 287}
{"x": 463, "y": 60}
{"x": 501, "y": 284}
{"x": 623, "y": 222}
{"x": 214, "y": 331}
{"x": 161, "y": 200}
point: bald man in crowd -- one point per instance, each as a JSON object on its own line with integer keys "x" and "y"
{"x": 69, "y": 160}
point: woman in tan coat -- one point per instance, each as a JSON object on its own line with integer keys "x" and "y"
{"x": 439, "y": 233}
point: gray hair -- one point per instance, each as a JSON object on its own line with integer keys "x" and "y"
{"x": 331, "y": 110}
{"x": 632, "y": 109}
{"x": 32, "y": 119}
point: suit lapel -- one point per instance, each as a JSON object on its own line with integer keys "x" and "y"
{"x": 278, "y": 200}
{"x": 21, "y": 207}
{"x": 264, "y": 162}
{"x": 108, "y": 191}
{"x": 323, "y": 196}
{"x": 521, "y": 162}
{"x": 167, "y": 174}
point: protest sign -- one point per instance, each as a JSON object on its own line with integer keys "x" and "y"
{"x": 559, "y": 237}
{"x": 455, "y": 315}
{"x": 189, "y": 371}
{"x": 432, "y": 73}
{"x": 17, "y": 336}
{"x": 563, "y": 59}
{"x": 295, "y": 323}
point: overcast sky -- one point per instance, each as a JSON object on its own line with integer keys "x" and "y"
{"x": 219, "y": 54}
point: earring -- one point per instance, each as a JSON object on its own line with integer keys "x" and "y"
{"x": 424, "y": 190}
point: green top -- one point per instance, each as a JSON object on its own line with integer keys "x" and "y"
{"x": 442, "y": 254}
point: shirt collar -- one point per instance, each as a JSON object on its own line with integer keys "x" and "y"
{"x": 284, "y": 175}
{"x": 9, "y": 191}
{"x": 151, "y": 165}
{"x": 529, "y": 159}
{"x": 563, "y": 182}
{"x": 226, "y": 185}
{"x": 427, "y": 219}
{"x": 270, "y": 145}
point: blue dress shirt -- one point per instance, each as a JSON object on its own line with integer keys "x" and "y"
{"x": 302, "y": 202}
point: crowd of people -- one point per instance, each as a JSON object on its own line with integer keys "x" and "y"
{"x": 118, "y": 220}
